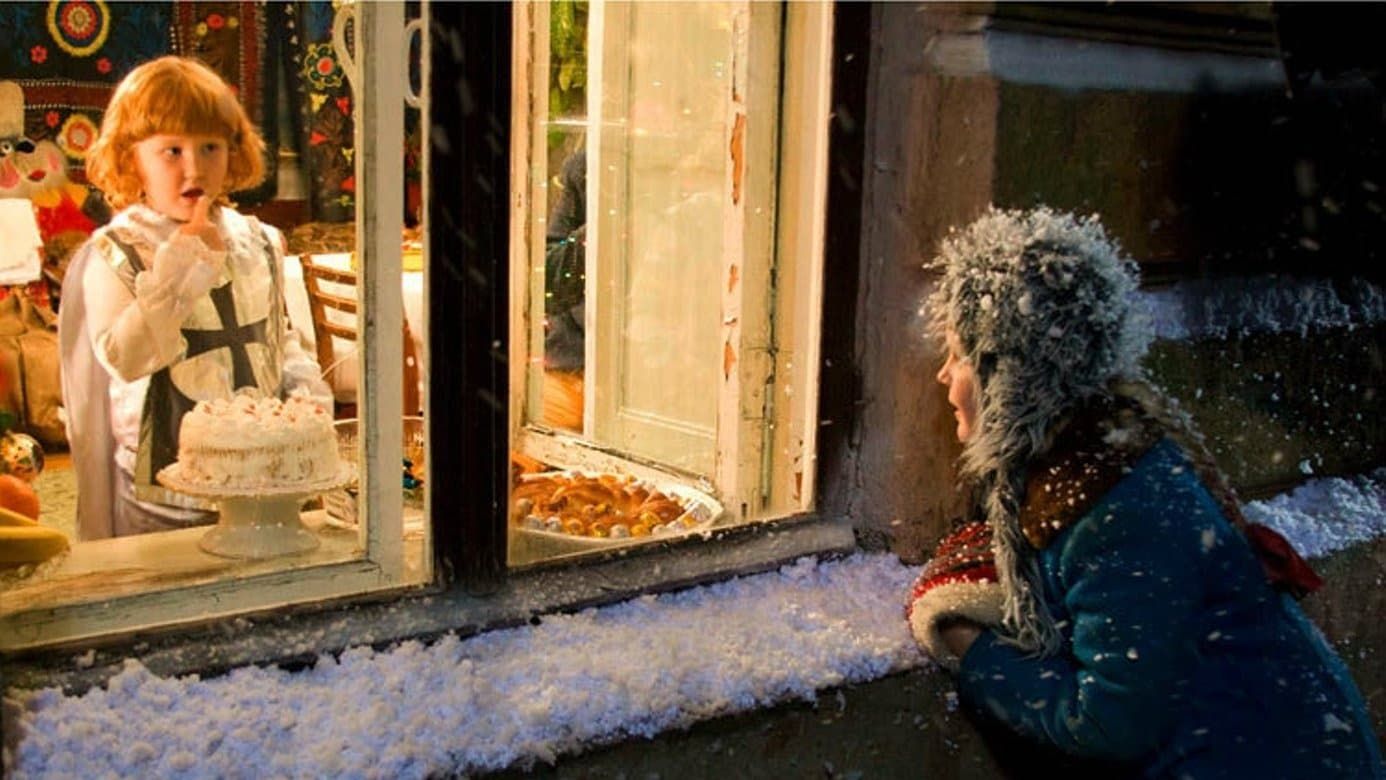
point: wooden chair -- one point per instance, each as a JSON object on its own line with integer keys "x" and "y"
{"x": 320, "y": 302}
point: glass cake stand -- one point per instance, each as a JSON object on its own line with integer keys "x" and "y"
{"x": 256, "y": 523}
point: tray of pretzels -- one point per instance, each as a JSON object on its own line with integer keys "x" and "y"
{"x": 588, "y": 511}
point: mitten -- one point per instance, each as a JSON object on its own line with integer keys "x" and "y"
{"x": 959, "y": 581}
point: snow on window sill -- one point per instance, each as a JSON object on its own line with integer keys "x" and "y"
{"x": 293, "y": 637}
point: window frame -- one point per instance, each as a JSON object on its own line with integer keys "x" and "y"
{"x": 473, "y": 590}
{"x": 469, "y": 289}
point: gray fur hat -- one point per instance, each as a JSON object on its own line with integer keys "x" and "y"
{"x": 1043, "y": 304}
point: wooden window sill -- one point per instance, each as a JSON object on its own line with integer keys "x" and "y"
{"x": 168, "y": 567}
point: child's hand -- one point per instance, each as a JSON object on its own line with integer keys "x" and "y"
{"x": 189, "y": 264}
{"x": 200, "y": 227}
{"x": 958, "y": 635}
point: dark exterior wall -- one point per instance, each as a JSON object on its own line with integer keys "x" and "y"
{"x": 1178, "y": 125}
{"x": 928, "y": 164}
{"x": 1209, "y": 180}
{"x": 1081, "y": 151}
{"x": 1277, "y": 408}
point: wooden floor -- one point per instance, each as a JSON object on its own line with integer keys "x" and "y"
{"x": 57, "y": 461}
{"x": 563, "y": 400}
{"x": 57, "y": 491}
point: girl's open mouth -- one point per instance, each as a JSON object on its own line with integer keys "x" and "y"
{"x": 193, "y": 194}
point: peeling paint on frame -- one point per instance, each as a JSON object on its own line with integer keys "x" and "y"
{"x": 738, "y": 156}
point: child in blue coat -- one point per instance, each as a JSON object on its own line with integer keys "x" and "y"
{"x": 1113, "y": 603}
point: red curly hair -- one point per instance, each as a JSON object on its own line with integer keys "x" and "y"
{"x": 176, "y": 96}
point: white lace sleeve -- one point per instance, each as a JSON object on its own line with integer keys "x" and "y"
{"x": 136, "y": 334}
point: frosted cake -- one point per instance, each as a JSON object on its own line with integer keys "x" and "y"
{"x": 248, "y": 443}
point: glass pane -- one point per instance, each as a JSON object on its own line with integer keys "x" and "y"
{"x": 562, "y": 173}
{"x": 653, "y": 125}
{"x": 635, "y": 233}
{"x": 661, "y": 218}
{"x": 147, "y": 336}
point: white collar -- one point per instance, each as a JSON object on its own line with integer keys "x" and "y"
{"x": 140, "y": 224}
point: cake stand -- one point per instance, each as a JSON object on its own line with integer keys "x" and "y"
{"x": 256, "y": 523}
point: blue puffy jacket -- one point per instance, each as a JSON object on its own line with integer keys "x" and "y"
{"x": 1178, "y": 657}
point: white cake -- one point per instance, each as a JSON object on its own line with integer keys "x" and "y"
{"x": 247, "y": 443}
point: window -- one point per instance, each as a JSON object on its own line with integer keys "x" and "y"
{"x": 702, "y": 384}
{"x": 114, "y": 585}
{"x": 671, "y": 168}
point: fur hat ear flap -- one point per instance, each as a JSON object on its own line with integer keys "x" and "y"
{"x": 958, "y": 582}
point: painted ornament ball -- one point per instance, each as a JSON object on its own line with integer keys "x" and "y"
{"x": 21, "y": 455}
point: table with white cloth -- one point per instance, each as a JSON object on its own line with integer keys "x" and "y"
{"x": 301, "y": 316}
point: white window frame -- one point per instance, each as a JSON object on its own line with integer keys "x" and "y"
{"x": 771, "y": 318}
{"x": 379, "y": 137}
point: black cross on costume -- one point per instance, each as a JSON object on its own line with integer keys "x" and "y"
{"x": 164, "y": 404}
{"x": 231, "y": 336}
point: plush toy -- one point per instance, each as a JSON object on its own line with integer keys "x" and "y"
{"x": 12, "y": 140}
{"x": 67, "y": 212}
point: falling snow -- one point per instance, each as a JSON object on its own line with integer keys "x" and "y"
{"x": 534, "y": 693}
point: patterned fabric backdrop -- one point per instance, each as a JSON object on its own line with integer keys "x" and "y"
{"x": 324, "y": 104}
{"x": 234, "y": 39}
{"x": 68, "y": 55}
{"x": 322, "y": 95}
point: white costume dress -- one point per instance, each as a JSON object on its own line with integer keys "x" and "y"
{"x": 152, "y": 321}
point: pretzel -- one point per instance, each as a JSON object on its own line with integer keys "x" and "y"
{"x": 666, "y": 509}
{"x": 606, "y": 506}
{"x": 531, "y": 489}
{"x": 579, "y": 494}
